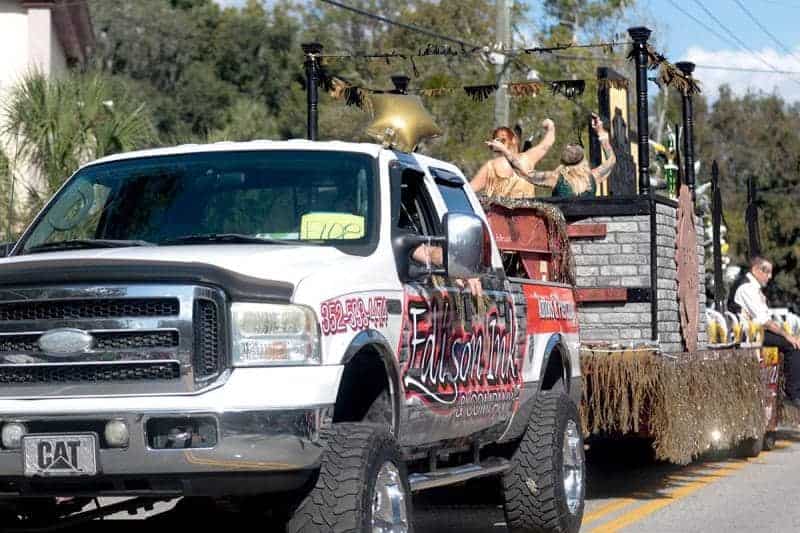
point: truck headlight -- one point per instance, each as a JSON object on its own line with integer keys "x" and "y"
{"x": 274, "y": 334}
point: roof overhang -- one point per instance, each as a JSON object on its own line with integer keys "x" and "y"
{"x": 72, "y": 23}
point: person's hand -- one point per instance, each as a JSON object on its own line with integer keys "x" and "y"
{"x": 497, "y": 146}
{"x": 548, "y": 124}
{"x": 794, "y": 341}
{"x": 597, "y": 125}
{"x": 474, "y": 284}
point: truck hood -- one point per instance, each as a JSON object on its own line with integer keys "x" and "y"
{"x": 268, "y": 262}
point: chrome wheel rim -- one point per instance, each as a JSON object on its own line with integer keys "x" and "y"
{"x": 389, "y": 509}
{"x": 573, "y": 466}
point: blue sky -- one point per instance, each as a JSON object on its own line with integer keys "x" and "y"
{"x": 710, "y": 45}
{"x": 775, "y": 46}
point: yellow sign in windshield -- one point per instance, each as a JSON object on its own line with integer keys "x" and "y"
{"x": 331, "y": 226}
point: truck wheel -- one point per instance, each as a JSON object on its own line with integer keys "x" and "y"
{"x": 380, "y": 412}
{"x": 769, "y": 440}
{"x": 362, "y": 485}
{"x": 545, "y": 487}
{"x": 749, "y": 447}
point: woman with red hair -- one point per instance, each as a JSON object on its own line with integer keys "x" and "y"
{"x": 506, "y": 175}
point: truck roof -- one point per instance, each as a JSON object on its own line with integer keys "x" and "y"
{"x": 371, "y": 149}
{"x": 228, "y": 146}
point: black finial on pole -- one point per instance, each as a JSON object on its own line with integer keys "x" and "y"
{"x": 716, "y": 225}
{"x": 400, "y": 84}
{"x": 312, "y": 52}
{"x": 640, "y": 35}
{"x": 687, "y": 68}
{"x": 751, "y": 218}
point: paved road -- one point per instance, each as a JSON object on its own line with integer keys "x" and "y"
{"x": 627, "y": 491}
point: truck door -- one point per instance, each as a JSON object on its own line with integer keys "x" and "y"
{"x": 452, "y": 359}
{"x": 428, "y": 398}
{"x": 489, "y": 384}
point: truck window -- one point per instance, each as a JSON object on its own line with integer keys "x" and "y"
{"x": 416, "y": 207}
{"x": 451, "y": 187}
{"x": 314, "y": 197}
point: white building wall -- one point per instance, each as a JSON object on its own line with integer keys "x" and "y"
{"x": 40, "y": 35}
{"x": 28, "y": 42}
{"x": 13, "y": 42}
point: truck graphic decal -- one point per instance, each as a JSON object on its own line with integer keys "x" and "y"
{"x": 353, "y": 314}
{"x": 452, "y": 360}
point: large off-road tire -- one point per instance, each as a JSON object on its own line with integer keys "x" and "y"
{"x": 749, "y": 447}
{"x": 544, "y": 489}
{"x": 769, "y": 440}
{"x": 362, "y": 485}
{"x": 380, "y": 412}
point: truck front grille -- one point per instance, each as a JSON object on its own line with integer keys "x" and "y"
{"x": 207, "y": 349}
{"x": 76, "y": 309}
{"x": 147, "y": 339}
{"x": 89, "y": 373}
{"x": 104, "y": 341}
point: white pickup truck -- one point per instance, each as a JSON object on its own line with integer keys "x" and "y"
{"x": 242, "y": 320}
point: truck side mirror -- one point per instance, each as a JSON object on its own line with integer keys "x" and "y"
{"x": 468, "y": 245}
{"x": 5, "y": 248}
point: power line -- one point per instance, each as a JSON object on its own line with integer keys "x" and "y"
{"x": 764, "y": 29}
{"x": 701, "y": 23}
{"x": 744, "y": 69}
{"x": 600, "y": 59}
{"x": 736, "y": 38}
{"x": 409, "y": 27}
{"x": 782, "y": 4}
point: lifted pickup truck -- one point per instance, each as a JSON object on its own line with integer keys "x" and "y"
{"x": 246, "y": 319}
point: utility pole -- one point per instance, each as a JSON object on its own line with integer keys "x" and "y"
{"x": 501, "y": 103}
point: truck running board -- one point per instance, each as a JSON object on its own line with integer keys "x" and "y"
{"x": 457, "y": 474}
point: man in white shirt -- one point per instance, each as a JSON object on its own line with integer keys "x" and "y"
{"x": 750, "y": 297}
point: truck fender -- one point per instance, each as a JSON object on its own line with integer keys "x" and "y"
{"x": 554, "y": 349}
{"x": 371, "y": 340}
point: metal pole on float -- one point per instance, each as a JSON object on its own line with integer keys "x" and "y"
{"x": 716, "y": 224}
{"x": 640, "y": 35}
{"x": 687, "y": 67}
{"x": 751, "y": 218}
{"x": 312, "y": 52}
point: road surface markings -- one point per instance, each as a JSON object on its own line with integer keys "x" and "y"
{"x": 670, "y": 497}
{"x": 608, "y": 509}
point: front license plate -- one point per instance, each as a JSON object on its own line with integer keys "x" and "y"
{"x": 60, "y": 455}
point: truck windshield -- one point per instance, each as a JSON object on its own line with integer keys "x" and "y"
{"x": 307, "y": 197}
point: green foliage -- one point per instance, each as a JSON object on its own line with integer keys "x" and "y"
{"x": 5, "y": 193}
{"x": 756, "y": 135}
{"x": 199, "y": 66}
{"x": 58, "y": 124}
{"x": 198, "y": 62}
{"x": 571, "y": 17}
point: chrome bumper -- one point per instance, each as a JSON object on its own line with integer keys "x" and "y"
{"x": 262, "y": 425}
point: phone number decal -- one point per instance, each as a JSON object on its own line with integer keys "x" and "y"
{"x": 355, "y": 314}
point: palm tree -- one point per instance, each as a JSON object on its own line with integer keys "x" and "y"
{"x": 5, "y": 190}
{"x": 55, "y": 125}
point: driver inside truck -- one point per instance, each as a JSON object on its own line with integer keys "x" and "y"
{"x": 428, "y": 254}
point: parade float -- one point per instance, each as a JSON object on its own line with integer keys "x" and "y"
{"x": 655, "y": 362}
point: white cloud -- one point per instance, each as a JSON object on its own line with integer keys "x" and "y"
{"x": 787, "y": 86}
{"x": 230, "y": 3}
